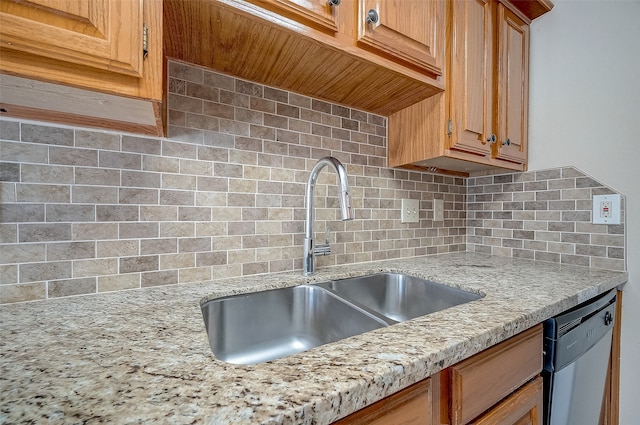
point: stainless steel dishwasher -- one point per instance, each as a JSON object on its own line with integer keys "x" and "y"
{"x": 577, "y": 345}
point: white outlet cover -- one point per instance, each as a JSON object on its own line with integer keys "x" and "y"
{"x": 410, "y": 211}
{"x": 438, "y": 210}
{"x": 597, "y": 217}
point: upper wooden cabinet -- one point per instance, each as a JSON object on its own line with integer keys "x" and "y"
{"x": 480, "y": 122}
{"x": 315, "y": 13}
{"x": 406, "y": 31}
{"x": 101, "y": 34}
{"x": 109, "y": 47}
{"x": 512, "y": 88}
{"x": 318, "y": 49}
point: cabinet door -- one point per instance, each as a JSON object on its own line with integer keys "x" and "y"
{"x": 470, "y": 78}
{"x": 411, "y": 406}
{"x": 101, "y": 34}
{"x": 488, "y": 377}
{"x": 524, "y": 407}
{"x": 319, "y": 14}
{"x": 512, "y": 86}
{"x": 409, "y": 31}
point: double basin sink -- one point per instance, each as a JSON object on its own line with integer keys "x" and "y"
{"x": 262, "y": 326}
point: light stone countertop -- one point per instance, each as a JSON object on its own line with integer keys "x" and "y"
{"x": 142, "y": 356}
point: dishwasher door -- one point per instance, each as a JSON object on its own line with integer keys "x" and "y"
{"x": 577, "y": 350}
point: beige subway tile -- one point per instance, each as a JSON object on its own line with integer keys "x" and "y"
{"x": 227, "y": 271}
{"x": 44, "y": 232}
{"x": 8, "y": 274}
{"x": 562, "y": 248}
{"x": 268, "y": 254}
{"x": 97, "y": 140}
{"x": 226, "y": 213}
{"x": 22, "y": 292}
{"x": 22, "y": 253}
{"x": 577, "y": 260}
{"x": 176, "y": 197}
{"x": 120, "y": 160}
{"x": 255, "y": 268}
{"x": 609, "y": 240}
{"x": 256, "y": 173}
{"x": 268, "y": 227}
{"x": 138, "y": 230}
{"x": 213, "y": 228}
{"x": 211, "y": 199}
{"x": 158, "y": 213}
{"x": 97, "y": 176}
{"x": 166, "y": 277}
{"x": 211, "y": 258}
{"x": 69, "y": 287}
{"x": 194, "y": 244}
{"x": 94, "y": 231}
{"x": 117, "y": 213}
{"x": 66, "y": 213}
{"x": 7, "y": 195}
{"x": 158, "y": 246}
{"x": 195, "y": 167}
{"x": 10, "y": 130}
{"x": 39, "y": 173}
{"x": 177, "y": 229}
{"x": 608, "y": 263}
{"x": 182, "y": 182}
{"x": 118, "y": 282}
{"x": 35, "y": 133}
{"x": 138, "y": 196}
{"x": 242, "y": 185}
{"x": 94, "y": 195}
{"x": 177, "y": 261}
{"x": 23, "y": 152}
{"x": 119, "y": 248}
{"x": 277, "y": 266}
{"x": 221, "y": 243}
{"x": 43, "y": 193}
{"x": 160, "y": 164}
{"x": 33, "y": 272}
{"x": 194, "y": 214}
{"x": 139, "y": 264}
{"x": 196, "y": 274}
{"x": 241, "y": 256}
{"x": 70, "y": 251}
{"x": 95, "y": 267}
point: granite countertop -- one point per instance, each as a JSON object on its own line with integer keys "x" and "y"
{"x": 143, "y": 356}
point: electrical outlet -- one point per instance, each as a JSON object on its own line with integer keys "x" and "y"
{"x": 410, "y": 211}
{"x": 606, "y": 209}
{"x": 438, "y": 210}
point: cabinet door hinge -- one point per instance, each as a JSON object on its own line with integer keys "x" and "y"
{"x": 145, "y": 40}
{"x": 449, "y": 127}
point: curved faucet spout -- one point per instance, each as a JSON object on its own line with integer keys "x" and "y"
{"x": 345, "y": 207}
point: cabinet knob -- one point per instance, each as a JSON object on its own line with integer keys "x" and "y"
{"x": 608, "y": 319}
{"x": 372, "y": 17}
{"x": 506, "y": 142}
{"x": 333, "y": 2}
{"x": 491, "y": 139}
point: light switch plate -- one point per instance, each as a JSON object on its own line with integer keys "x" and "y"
{"x": 606, "y": 209}
{"x": 410, "y": 211}
{"x": 438, "y": 210}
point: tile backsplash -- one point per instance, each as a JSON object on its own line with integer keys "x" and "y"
{"x": 85, "y": 211}
{"x": 543, "y": 215}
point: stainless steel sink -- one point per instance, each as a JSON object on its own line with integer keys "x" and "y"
{"x": 261, "y": 326}
{"x": 399, "y": 296}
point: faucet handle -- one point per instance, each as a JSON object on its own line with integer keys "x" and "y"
{"x": 325, "y": 248}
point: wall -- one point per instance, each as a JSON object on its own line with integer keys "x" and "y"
{"x": 543, "y": 215}
{"x": 583, "y": 111}
{"x": 85, "y": 211}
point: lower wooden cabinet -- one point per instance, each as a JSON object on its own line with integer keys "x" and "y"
{"x": 411, "y": 406}
{"x": 485, "y": 379}
{"x": 524, "y": 407}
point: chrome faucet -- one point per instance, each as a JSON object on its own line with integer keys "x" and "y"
{"x": 310, "y": 251}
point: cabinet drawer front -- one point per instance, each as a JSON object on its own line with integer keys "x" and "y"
{"x": 486, "y": 378}
{"x": 524, "y": 407}
{"x": 411, "y": 406}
